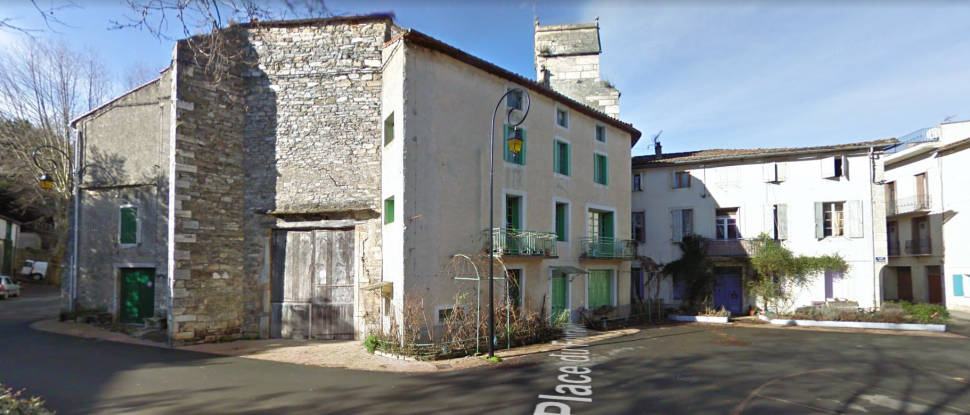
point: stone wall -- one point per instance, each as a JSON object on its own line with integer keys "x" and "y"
{"x": 567, "y": 59}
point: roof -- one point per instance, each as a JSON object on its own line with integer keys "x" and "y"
{"x": 417, "y": 38}
{"x": 690, "y": 157}
{"x": 954, "y": 145}
{"x": 349, "y": 19}
{"x": 119, "y": 97}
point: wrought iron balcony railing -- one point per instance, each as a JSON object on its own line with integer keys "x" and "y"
{"x": 909, "y": 204}
{"x": 919, "y": 246}
{"x": 607, "y": 248}
{"x": 733, "y": 247}
{"x": 893, "y": 248}
{"x": 521, "y": 242}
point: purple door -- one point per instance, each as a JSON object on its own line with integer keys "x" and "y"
{"x": 728, "y": 293}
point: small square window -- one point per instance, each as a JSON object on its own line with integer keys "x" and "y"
{"x": 561, "y": 162}
{"x": 637, "y": 185}
{"x": 601, "y": 133}
{"x": 514, "y": 99}
{"x": 389, "y": 129}
{"x": 514, "y": 158}
{"x": 681, "y": 180}
{"x": 562, "y": 118}
{"x": 601, "y": 167}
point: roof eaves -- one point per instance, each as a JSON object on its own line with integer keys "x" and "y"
{"x": 954, "y": 146}
{"x": 360, "y": 18}
{"x": 767, "y": 153}
{"x": 423, "y": 40}
{"x": 116, "y": 99}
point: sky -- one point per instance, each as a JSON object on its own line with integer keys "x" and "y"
{"x": 709, "y": 74}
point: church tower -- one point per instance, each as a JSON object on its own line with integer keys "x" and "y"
{"x": 567, "y": 59}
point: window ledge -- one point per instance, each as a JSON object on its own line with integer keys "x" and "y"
{"x": 513, "y": 165}
{"x": 601, "y": 186}
{"x": 561, "y": 176}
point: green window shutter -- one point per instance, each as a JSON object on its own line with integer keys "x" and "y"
{"x": 129, "y": 225}
{"x": 521, "y": 157}
{"x": 389, "y": 210}
{"x": 505, "y": 144}
{"x": 569, "y": 157}
{"x": 556, "y": 160}
{"x": 606, "y": 170}
{"x": 601, "y": 169}
{"x": 600, "y": 290}
{"x": 561, "y": 221}
{"x": 958, "y": 285}
{"x": 607, "y": 225}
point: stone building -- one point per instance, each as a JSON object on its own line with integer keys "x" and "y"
{"x": 337, "y": 159}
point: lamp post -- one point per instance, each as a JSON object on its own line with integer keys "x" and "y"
{"x": 514, "y": 142}
{"x": 45, "y": 158}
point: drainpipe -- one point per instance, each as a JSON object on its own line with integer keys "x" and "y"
{"x": 75, "y": 228}
{"x": 877, "y": 280}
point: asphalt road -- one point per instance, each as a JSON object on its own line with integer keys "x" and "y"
{"x": 688, "y": 369}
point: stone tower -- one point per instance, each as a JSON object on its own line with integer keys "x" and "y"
{"x": 568, "y": 61}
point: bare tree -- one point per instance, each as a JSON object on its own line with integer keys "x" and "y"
{"x": 43, "y": 85}
{"x": 137, "y": 74}
{"x": 48, "y": 13}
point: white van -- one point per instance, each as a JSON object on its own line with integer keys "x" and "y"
{"x": 34, "y": 270}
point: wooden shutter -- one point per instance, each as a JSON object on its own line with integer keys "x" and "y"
{"x": 958, "y": 285}
{"x": 769, "y": 216}
{"x": 845, "y": 167}
{"x": 556, "y": 160}
{"x": 561, "y": 221}
{"x": 521, "y": 156}
{"x": 606, "y": 170}
{"x": 828, "y": 167}
{"x": 782, "y": 211}
{"x": 389, "y": 210}
{"x": 505, "y": 144}
{"x": 855, "y": 217}
{"x": 128, "y": 232}
{"x": 771, "y": 172}
{"x": 607, "y": 219}
{"x": 569, "y": 158}
{"x": 781, "y": 172}
{"x": 676, "y": 225}
{"x": 819, "y": 220}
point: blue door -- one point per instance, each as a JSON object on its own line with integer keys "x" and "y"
{"x": 728, "y": 293}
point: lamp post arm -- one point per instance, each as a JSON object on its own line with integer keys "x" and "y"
{"x": 41, "y": 160}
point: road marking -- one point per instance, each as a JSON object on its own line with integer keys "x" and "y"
{"x": 894, "y": 393}
{"x": 737, "y": 410}
{"x": 887, "y": 402}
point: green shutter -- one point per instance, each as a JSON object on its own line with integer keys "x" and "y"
{"x": 561, "y": 221}
{"x": 129, "y": 225}
{"x": 521, "y": 157}
{"x": 509, "y": 157}
{"x": 505, "y": 144}
{"x": 958, "y": 285}
{"x": 569, "y": 158}
{"x": 606, "y": 170}
{"x": 607, "y": 223}
{"x": 389, "y": 210}
{"x": 556, "y": 160}
{"x": 601, "y": 169}
{"x": 600, "y": 289}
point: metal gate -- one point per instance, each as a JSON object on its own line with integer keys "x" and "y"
{"x": 312, "y": 285}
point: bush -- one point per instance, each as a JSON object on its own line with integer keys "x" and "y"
{"x": 370, "y": 343}
{"x": 12, "y": 403}
{"x": 926, "y": 313}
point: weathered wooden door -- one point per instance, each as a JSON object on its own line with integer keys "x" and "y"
{"x": 934, "y": 284}
{"x": 312, "y": 284}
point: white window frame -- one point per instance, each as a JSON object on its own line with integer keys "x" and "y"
{"x": 601, "y": 208}
{"x": 509, "y": 87}
{"x": 637, "y": 179}
{"x": 606, "y": 133}
{"x": 569, "y": 218}
{"x": 693, "y": 222}
{"x": 613, "y": 294}
{"x": 632, "y": 228}
{"x": 842, "y": 211}
{"x": 437, "y": 311}
{"x": 555, "y": 117}
{"x": 138, "y": 222}
{"x": 737, "y": 223}
{"x": 523, "y": 213}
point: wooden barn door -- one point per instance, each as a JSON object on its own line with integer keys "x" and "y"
{"x": 312, "y": 285}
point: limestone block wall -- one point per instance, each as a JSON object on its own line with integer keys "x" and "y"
{"x": 206, "y": 203}
{"x": 567, "y": 58}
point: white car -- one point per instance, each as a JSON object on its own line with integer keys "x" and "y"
{"x": 34, "y": 270}
{"x": 8, "y": 288}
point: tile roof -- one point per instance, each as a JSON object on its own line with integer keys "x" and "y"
{"x": 738, "y": 154}
{"x": 953, "y": 145}
{"x": 421, "y": 39}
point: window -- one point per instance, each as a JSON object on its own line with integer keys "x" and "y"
{"x": 637, "y": 186}
{"x": 600, "y": 288}
{"x": 681, "y": 180}
{"x": 447, "y": 313}
{"x": 561, "y": 162}
{"x": 128, "y": 226}
{"x": 601, "y": 133}
{"x": 678, "y": 289}
{"x": 639, "y": 231}
{"x": 513, "y": 212}
{"x": 389, "y": 129}
{"x": 834, "y": 285}
{"x": 780, "y": 219}
{"x": 562, "y": 118}
{"x": 682, "y": 224}
{"x": 514, "y": 99}
{"x": 515, "y": 289}
{"x": 776, "y": 172}
{"x": 726, "y": 224}
{"x": 921, "y": 186}
{"x": 562, "y": 222}
{"x": 509, "y": 156}
{"x": 389, "y": 210}
{"x": 834, "y": 224}
{"x": 600, "y": 224}
{"x": 601, "y": 169}
{"x": 835, "y": 167}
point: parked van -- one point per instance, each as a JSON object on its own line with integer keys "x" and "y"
{"x": 34, "y": 270}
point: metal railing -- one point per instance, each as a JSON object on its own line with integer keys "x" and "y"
{"x": 522, "y": 242}
{"x": 734, "y": 247}
{"x": 909, "y": 204}
{"x": 922, "y": 246}
{"x": 893, "y": 248}
{"x": 607, "y": 248}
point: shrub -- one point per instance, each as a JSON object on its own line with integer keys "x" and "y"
{"x": 926, "y": 313}
{"x": 713, "y": 312}
{"x": 12, "y": 403}
{"x": 370, "y": 343}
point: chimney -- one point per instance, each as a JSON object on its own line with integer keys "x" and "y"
{"x": 658, "y": 149}
{"x": 544, "y": 78}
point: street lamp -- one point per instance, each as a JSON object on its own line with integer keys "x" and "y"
{"x": 46, "y": 159}
{"x": 514, "y": 143}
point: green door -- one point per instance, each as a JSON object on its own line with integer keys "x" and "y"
{"x": 600, "y": 289}
{"x": 137, "y": 294}
{"x": 559, "y": 295}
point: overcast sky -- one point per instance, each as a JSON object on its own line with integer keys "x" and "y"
{"x": 709, "y": 74}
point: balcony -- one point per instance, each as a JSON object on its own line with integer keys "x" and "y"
{"x": 911, "y": 204}
{"x": 607, "y": 248}
{"x": 919, "y": 246}
{"x": 524, "y": 243}
{"x": 894, "y": 248}
{"x": 733, "y": 247}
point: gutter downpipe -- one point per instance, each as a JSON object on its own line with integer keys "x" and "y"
{"x": 76, "y": 220}
{"x": 877, "y": 280}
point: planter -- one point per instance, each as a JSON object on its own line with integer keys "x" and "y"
{"x": 856, "y": 325}
{"x": 699, "y": 319}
